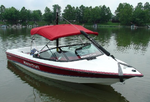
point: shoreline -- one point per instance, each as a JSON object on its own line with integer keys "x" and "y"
{"x": 85, "y": 25}
{"x": 116, "y": 26}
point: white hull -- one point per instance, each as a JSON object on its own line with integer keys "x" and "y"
{"x": 94, "y": 71}
{"x": 107, "y": 81}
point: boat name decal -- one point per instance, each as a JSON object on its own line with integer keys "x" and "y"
{"x": 31, "y": 65}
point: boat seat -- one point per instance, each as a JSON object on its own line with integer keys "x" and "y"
{"x": 33, "y": 51}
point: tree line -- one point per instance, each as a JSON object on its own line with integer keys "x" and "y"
{"x": 82, "y": 14}
{"x": 14, "y": 16}
{"x": 125, "y": 14}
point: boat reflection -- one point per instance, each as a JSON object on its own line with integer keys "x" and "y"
{"x": 47, "y": 90}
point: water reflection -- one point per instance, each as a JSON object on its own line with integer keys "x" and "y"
{"x": 124, "y": 38}
{"x": 12, "y": 38}
{"x": 121, "y": 38}
{"x": 138, "y": 39}
{"x": 46, "y": 90}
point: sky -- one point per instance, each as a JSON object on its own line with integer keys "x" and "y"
{"x": 41, "y": 4}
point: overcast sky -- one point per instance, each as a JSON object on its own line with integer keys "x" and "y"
{"x": 41, "y": 4}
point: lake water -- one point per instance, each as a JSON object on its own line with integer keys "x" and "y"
{"x": 131, "y": 46}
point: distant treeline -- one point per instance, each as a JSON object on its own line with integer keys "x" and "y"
{"x": 125, "y": 14}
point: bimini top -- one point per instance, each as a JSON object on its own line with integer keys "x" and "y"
{"x": 53, "y": 32}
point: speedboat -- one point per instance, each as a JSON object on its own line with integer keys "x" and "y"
{"x": 85, "y": 62}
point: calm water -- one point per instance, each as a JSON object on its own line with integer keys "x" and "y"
{"x": 131, "y": 46}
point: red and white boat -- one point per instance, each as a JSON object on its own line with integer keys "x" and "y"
{"x": 78, "y": 63}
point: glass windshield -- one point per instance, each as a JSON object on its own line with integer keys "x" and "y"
{"x": 71, "y": 52}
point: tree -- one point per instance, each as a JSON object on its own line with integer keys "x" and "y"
{"x": 11, "y": 15}
{"x": 147, "y": 6}
{"x": 72, "y": 13}
{"x": 147, "y": 10}
{"x": 55, "y": 8}
{"x": 140, "y": 16}
{"x": 36, "y": 15}
{"x": 23, "y": 15}
{"x": 84, "y": 14}
{"x": 77, "y": 14}
{"x": 124, "y": 13}
{"x": 99, "y": 14}
{"x": 69, "y": 13}
{"x": 81, "y": 14}
{"x": 118, "y": 11}
{"x": 115, "y": 19}
{"x": 29, "y": 15}
{"x": 96, "y": 14}
{"x": 2, "y": 10}
{"x": 87, "y": 15}
{"x": 105, "y": 14}
{"x": 47, "y": 16}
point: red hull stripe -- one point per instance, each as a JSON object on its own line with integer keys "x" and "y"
{"x": 61, "y": 70}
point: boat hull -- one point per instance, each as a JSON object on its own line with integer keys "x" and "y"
{"x": 63, "y": 74}
{"x": 82, "y": 71}
{"x": 73, "y": 79}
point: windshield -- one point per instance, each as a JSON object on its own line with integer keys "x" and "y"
{"x": 71, "y": 52}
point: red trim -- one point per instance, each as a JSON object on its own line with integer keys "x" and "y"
{"x": 63, "y": 71}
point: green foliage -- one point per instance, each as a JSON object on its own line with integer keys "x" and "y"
{"x": 84, "y": 14}
{"x": 125, "y": 14}
{"x": 11, "y": 14}
{"x": 36, "y": 15}
{"x": 105, "y": 14}
{"x": 47, "y": 16}
{"x": 140, "y": 15}
{"x": 69, "y": 12}
{"x": 2, "y": 10}
{"x": 56, "y": 8}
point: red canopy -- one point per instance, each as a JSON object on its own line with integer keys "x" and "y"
{"x": 53, "y": 32}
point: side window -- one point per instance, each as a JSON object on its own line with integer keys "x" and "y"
{"x": 46, "y": 54}
{"x": 53, "y": 55}
{"x": 60, "y": 56}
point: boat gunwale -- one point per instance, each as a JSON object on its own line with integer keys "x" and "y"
{"x": 75, "y": 70}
